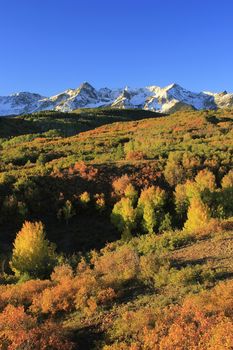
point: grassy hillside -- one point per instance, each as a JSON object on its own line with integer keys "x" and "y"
{"x": 140, "y": 208}
{"x": 67, "y": 124}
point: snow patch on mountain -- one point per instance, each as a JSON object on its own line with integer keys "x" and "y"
{"x": 19, "y": 103}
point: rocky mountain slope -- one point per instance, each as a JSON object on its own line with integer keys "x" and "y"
{"x": 168, "y": 99}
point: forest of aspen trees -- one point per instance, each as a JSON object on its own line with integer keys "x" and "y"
{"x": 116, "y": 231}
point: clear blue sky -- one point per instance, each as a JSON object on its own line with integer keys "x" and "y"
{"x": 50, "y": 45}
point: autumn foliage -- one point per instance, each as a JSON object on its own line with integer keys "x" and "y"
{"x": 202, "y": 322}
{"x": 142, "y": 216}
{"x": 32, "y": 253}
{"x": 19, "y": 330}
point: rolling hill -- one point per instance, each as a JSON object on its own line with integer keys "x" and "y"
{"x": 116, "y": 230}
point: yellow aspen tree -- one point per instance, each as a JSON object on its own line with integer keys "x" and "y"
{"x": 198, "y": 216}
{"x": 32, "y": 254}
{"x": 227, "y": 180}
{"x": 124, "y": 217}
{"x": 150, "y": 207}
{"x": 149, "y": 218}
{"x": 205, "y": 179}
{"x": 131, "y": 193}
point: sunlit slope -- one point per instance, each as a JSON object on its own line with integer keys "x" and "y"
{"x": 70, "y": 123}
{"x": 207, "y": 135}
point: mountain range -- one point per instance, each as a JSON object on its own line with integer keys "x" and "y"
{"x": 160, "y": 99}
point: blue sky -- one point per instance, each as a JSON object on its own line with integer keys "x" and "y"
{"x": 50, "y": 45}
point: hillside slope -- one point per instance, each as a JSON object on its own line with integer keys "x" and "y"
{"x": 117, "y": 237}
{"x": 69, "y": 123}
{"x": 159, "y": 151}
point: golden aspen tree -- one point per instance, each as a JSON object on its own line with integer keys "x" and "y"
{"x": 32, "y": 254}
{"x": 198, "y": 216}
{"x": 149, "y": 218}
{"x": 181, "y": 200}
{"x": 124, "y": 217}
{"x": 131, "y": 193}
{"x": 184, "y": 193}
{"x": 227, "y": 180}
{"x": 150, "y": 207}
{"x": 205, "y": 179}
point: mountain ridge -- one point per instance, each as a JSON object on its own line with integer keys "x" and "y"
{"x": 160, "y": 99}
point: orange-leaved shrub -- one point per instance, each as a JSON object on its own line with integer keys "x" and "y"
{"x": 201, "y": 322}
{"x": 19, "y": 330}
{"x": 22, "y": 294}
{"x": 119, "y": 185}
{"x": 83, "y": 291}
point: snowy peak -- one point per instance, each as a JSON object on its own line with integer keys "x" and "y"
{"x": 173, "y": 86}
{"x": 19, "y": 103}
{"x": 87, "y": 87}
{"x": 166, "y": 99}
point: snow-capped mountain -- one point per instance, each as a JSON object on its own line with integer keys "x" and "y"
{"x": 19, "y": 103}
{"x": 168, "y": 99}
